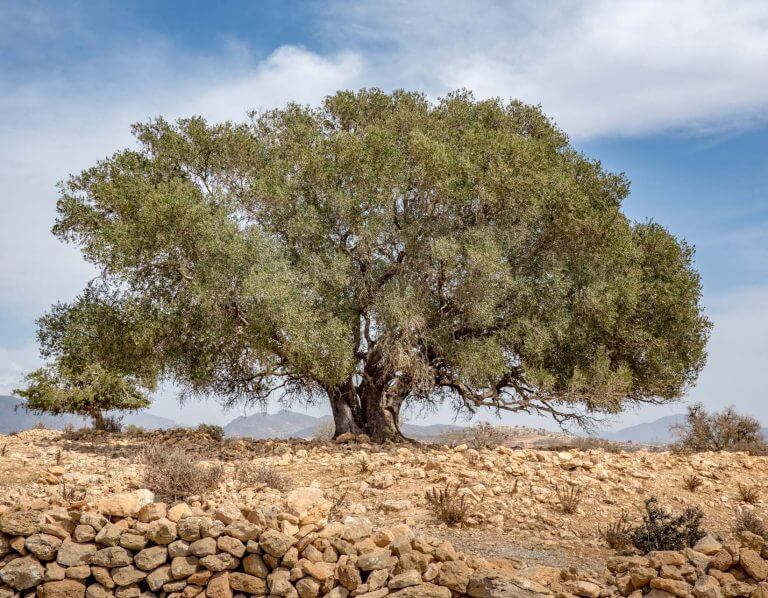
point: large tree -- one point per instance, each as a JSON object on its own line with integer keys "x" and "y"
{"x": 376, "y": 251}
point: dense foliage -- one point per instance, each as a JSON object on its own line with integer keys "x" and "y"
{"x": 378, "y": 250}
{"x": 660, "y": 530}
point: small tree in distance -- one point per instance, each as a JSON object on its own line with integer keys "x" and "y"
{"x": 726, "y": 430}
{"x": 375, "y": 251}
{"x": 89, "y": 392}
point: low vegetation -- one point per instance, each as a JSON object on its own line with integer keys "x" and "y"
{"x": 448, "y": 505}
{"x": 748, "y": 521}
{"x": 569, "y": 498}
{"x": 661, "y": 530}
{"x": 251, "y": 475}
{"x": 616, "y": 533}
{"x": 173, "y": 473}
{"x": 749, "y": 495}
{"x": 692, "y": 483}
{"x": 212, "y": 431}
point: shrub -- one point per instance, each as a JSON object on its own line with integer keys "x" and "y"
{"x": 569, "y": 497}
{"x": 108, "y": 423}
{"x": 586, "y": 443}
{"x": 212, "y": 431}
{"x": 173, "y": 473}
{"x": 748, "y": 521}
{"x": 72, "y": 493}
{"x": 250, "y": 475}
{"x": 363, "y": 464}
{"x": 692, "y": 482}
{"x": 486, "y": 435}
{"x": 726, "y": 430}
{"x": 748, "y": 494}
{"x": 448, "y": 505}
{"x": 39, "y": 426}
{"x": 616, "y": 534}
{"x": 660, "y": 530}
{"x": 134, "y": 430}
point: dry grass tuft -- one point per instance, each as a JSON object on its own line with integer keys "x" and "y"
{"x": 173, "y": 473}
{"x": 748, "y": 521}
{"x": 616, "y": 534}
{"x": 448, "y": 505}
{"x": 749, "y": 495}
{"x": 251, "y": 475}
{"x": 692, "y": 483}
{"x": 569, "y": 497}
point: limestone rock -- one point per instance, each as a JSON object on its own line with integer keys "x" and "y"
{"x": 67, "y": 588}
{"x": 22, "y": 573}
{"x": 125, "y": 504}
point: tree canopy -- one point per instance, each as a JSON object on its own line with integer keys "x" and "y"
{"x": 376, "y": 251}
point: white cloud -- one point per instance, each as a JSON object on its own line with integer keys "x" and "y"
{"x": 599, "y": 67}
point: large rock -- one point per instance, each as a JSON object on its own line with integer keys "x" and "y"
{"x": 488, "y": 584}
{"x": 424, "y": 590}
{"x": 151, "y": 558}
{"x": 22, "y": 573}
{"x": 755, "y": 566}
{"x": 72, "y": 554}
{"x": 125, "y": 576}
{"x": 707, "y": 587}
{"x": 249, "y": 584}
{"x": 276, "y": 543}
{"x": 114, "y": 556}
{"x": 21, "y": 523}
{"x": 376, "y": 559}
{"x": 308, "y": 504}
{"x": 125, "y": 504}
{"x": 43, "y": 546}
{"x": 68, "y": 588}
{"x": 455, "y": 576}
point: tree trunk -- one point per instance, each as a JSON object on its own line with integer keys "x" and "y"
{"x": 97, "y": 419}
{"x": 365, "y": 410}
{"x": 345, "y": 407}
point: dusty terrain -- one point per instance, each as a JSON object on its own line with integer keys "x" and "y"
{"x": 515, "y": 514}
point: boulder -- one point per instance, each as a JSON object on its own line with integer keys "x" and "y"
{"x": 22, "y": 573}
{"x": 21, "y": 523}
{"x": 125, "y": 504}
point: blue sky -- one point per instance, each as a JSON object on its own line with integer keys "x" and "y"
{"x": 673, "y": 94}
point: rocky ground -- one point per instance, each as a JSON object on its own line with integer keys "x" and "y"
{"x": 514, "y": 495}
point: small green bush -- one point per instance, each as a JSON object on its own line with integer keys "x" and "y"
{"x": 448, "y": 505}
{"x": 214, "y": 432}
{"x": 660, "y": 530}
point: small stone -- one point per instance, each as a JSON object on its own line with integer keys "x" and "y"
{"x": 114, "y": 556}
{"x": 162, "y": 531}
{"x": 708, "y": 545}
{"x": 78, "y": 572}
{"x": 203, "y": 547}
{"x": 179, "y": 512}
{"x": 219, "y": 562}
{"x": 133, "y": 542}
{"x": 124, "y": 576}
{"x": 276, "y": 543}
{"x": 424, "y": 590}
{"x": 84, "y": 533}
{"x": 678, "y": 588}
{"x": 152, "y": 512}
{"x": 707, "y": 587}
{"x": 405, "y": 580}
{"x": 231, "y": 545}
{"x": 43, "y": 546}
{"x": 250, "y": 584}
{"x": 218, "y": 586}
{"x": 227, "y": 512}
{"x": 376, "y": 559}
{"x": 151, "y": 558}
{"x": 67, "y": 588}
{"x": 54, "y": 572}
{"x": 109, "y": 535}
{"x": 183, "y": 566}
{"x": 253, "y": 564}
{"x": 159, "y": 577}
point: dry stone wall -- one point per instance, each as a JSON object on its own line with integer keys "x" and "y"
{"x": 132, "y": 547}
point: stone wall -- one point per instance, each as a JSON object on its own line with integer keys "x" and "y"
{"x": 131, "y": 547}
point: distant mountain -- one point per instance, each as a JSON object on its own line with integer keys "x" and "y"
{"x": 289, "y": 424}
{"x": 14, "y": 417}
{"x": 283, "y": 424}
{"x": 655, "y": 432}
